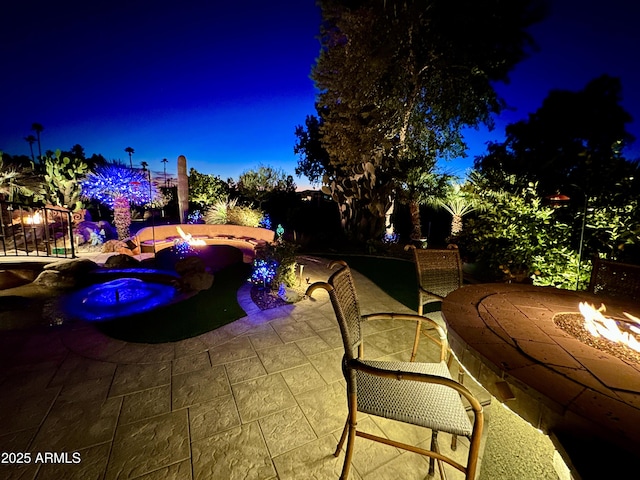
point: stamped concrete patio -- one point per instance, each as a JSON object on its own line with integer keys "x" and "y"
{"x": 260, "y": 398}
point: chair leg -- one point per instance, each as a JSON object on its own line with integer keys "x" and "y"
{"x": 416, "y": 341}
{"x": 342, "y": 438}
{"x": 349, "y": 427}
{"x": 348, "y": 454}
{"x": 434, "y": 447}
{"x": 432, "y": 461}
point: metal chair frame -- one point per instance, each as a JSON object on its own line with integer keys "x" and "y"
{"x": 439, "y": 273}
{"x": 344, "y": 300}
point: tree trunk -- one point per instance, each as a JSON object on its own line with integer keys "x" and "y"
{"x": 122, "y": 216}
{"x": 416, "y": 227}
{"x": 456, "y": 225}
{"x": 183, "y": 189}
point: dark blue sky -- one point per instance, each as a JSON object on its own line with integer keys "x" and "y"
{"x": 225, "y": 83}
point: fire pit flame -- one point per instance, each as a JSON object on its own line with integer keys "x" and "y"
{"x": 600, "y": 326}
{"x": 187, "y": 237}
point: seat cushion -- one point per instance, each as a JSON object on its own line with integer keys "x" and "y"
{"x": 428, "y": 405}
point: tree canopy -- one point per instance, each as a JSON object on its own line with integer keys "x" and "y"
{"x": 206, "y": 189}
{"x": 574, "y": 140}
{"x": 110, "y": 182}
{"x": 259, "y": 184}
{"x": 398, "y": 80}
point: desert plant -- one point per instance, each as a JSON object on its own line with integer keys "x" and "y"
{"x": 247, "y": 216}
{"x": 183, "y": 189}
{"x": 62, "y": 180}
{"x": 12, "y": 183}
{"x": 118, "y": 188}
{"x": 458, "y": 203}
{"x": 218, "y": 213}
{"x": 229, "y": 212}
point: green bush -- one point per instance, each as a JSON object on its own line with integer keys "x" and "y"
{"x": 225, "y": 211}
{"x": 284, "y": 255}
{"x": 514, "y": 235}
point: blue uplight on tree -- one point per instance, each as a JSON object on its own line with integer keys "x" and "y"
{"x": 108, "y": 182}
{"x": 119, "y": 188}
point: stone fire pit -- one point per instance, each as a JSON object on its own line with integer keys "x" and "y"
{"x": 505, "y": 335}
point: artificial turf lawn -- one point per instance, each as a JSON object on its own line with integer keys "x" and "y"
{"x": 394, "y": 276}
{"x": 213, "y": 308}
{"x": 205, "y": 311}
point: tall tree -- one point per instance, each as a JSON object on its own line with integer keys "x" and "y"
{"x": 164, "y": 169}
{"x": 398, "y": 80}
{"x": 130, "y": 151}
{"x": 30, "y": 139}
{"x": 38, "y": 128}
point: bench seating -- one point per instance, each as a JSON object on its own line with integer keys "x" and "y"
{"x": 247, "y": 239}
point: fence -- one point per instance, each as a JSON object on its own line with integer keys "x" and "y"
{"x": 35, "y": 231}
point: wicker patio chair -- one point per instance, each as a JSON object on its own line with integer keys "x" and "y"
{"x": 422, "y": 394}
{"x": 615, "y": 279}
{"x": 439, "y": 273}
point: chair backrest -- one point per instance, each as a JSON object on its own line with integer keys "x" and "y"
{"x": 615, "y": 279}
{"x": 347, "y": 309}
{"x": 439, "y": 271}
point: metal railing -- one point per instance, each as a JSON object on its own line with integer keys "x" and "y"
{"x": 27, "y": 230}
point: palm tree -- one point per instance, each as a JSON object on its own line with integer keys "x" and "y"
{"x": 164, "y": 168}
{"x": 30, "y": 139}
{"x": 119, "y": 188}
{"x": 458, "y": 203}
{"x": 38, "y": 128}
{"x": 130, "y": 151}
{"x": 11, "y": 183}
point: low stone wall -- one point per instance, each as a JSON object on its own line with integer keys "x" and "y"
{"x": 247, "y": 239}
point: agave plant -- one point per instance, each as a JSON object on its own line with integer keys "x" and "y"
{"x": 218, "y": 213}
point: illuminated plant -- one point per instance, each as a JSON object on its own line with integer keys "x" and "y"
{"x": 118, "y": 188}
{"x": 276, "y": 265}
{"x": 62, "y": 180}
{"x": 229, "y": 212}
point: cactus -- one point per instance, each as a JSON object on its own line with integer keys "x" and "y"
{"x": 62, "y": 181}
{"x": 183, "y": 189}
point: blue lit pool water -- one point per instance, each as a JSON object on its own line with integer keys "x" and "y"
{"x": 119, "y": 298}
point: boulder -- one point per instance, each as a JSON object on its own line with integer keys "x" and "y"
{"x": 121, "y": 260}
{"x": 55, "y": 279}
{"x": 117, "y": 246}
{"x": 73, "y": 267}
{"x": 196, "y": 281}
{"x": 190, "y": 265}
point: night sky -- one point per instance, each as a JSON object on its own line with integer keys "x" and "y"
{"x": 225, "y": 83}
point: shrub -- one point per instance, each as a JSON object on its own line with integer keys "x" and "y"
{"x": 513, "y": 235}
{"x": 247, "y": 216}
{"x": 229, "y": 212}
{"x": 275, "y": 264}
